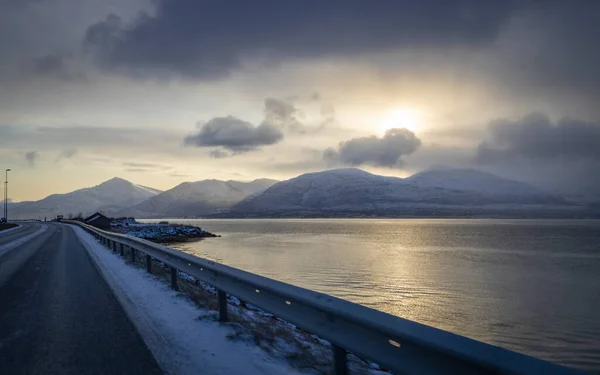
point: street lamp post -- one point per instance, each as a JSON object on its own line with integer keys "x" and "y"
{"x": 6, "y": 196}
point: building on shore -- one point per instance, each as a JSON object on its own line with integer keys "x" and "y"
{"x": 98, "y": 220}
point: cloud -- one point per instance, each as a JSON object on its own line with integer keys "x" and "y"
{"x": 562, "y": 155}
{"x": 66, "y": 154}
{"x": 384, "y": 152}
{"x": 220, "y": 154}
{"x": 53, "y": 66}
{"x": 284, "y": 114}
{"x": 279, "y": 112}
{"x": 234, "y": 135}
{"x": 139, "y": 167}
{"x": 178, "y": 175}
{"x": 536, "y": 137}
{"x": 31, "y": 158}
{"x": 209, "y": 39}
{"x": 565, "y": 58}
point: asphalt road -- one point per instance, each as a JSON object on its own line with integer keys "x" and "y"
{"x": 15, "y": 234}
{"x": 58, "y": 315}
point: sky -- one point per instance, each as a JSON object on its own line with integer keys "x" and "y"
{"x": 165, "y": 91}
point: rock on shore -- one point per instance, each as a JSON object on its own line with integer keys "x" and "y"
{"x": 162, "y": 232}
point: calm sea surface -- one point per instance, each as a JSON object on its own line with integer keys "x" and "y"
{"x": 528, "y": 285}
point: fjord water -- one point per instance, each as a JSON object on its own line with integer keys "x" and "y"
{"x": 528, "y": 285}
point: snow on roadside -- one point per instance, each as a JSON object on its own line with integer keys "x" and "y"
{"x": 176, "y": 331}
{"x": 10, "y": 229}
{"x": 19, "y": 241}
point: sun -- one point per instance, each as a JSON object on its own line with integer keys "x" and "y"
{"x": 400, "y": 118}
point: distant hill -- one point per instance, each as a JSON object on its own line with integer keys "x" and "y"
{"x": 355, "y": 192}
{"x": 488, "y": 185}
{"x": 108, "y": 197}
{"x": 197, "y": 198}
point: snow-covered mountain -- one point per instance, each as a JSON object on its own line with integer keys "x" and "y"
{"x": 197, "y": 198}
{"x": 108, "y": 197}
{"x": 487, "y": 184}
{"x": 357, "y": 191}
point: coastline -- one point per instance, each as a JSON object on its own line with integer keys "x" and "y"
{"x": 162, "y": 232}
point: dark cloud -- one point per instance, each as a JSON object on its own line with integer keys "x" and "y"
{"x": 66, "y": 154}
{"x": 234, "y": 135}
{"x": 562, "y": 155}
{"x": 103, "y": 139}
{"x": 220, "y": 154}
{"x": 536, "y": 137}
{"x": 98, "y": 140}
{"x": 48, "y": 65}
{"x": 552, "y": 45}
{"x": 237, "y": 136}
{"x": 208, "y": 39}
{"x": 286, "y": 115}
{"x": 279, "y": 112}
{"x": 385, "y": 151}
{"x": 53, "y": 66}
{"x": 31, "y": 158}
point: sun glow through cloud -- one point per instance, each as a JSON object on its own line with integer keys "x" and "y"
{"x": 400, "y": 118}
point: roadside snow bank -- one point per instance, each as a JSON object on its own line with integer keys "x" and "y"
{"x": 17, "y": 226}
{"x": 176, "y": 331}
{"x": 11, "y": 245}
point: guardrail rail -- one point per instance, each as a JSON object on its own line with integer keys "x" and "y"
{"x": 399, "y": 345}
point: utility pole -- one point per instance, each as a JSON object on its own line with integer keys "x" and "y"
{"x": 6, "y": 196}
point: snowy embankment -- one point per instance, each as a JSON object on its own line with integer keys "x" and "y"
{"x": 19, "y": 241}
{"x": 17, "y": 226}
{"x": 177, "y": 332}
{"x": 182, "y": 331}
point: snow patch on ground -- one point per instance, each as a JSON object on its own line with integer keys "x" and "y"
{"x": 183, "y": 338}
{"x": 10, "y": 230}
{"x": 11, "y": 245}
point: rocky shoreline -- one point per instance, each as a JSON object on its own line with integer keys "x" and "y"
{"x": 162, "y": 232}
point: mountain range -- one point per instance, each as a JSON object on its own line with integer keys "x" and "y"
{"x": 335, "y": 193}
{"x": 108, "y": 197}
{"x": 197, "y": 198}
{"x": 356, "y": 192}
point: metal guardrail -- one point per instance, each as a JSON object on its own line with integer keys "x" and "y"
{"x": 399, "y": 345}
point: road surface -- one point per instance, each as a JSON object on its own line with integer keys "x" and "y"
{"x": 58, "y": 315}
{"x": 16, "y": 233}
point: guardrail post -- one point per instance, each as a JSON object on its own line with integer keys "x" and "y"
{"x": 174, "y": 278}
{"x": 122, "y": 251}
{"x": 132, "y": 254}
{"x": 148, "y": 263}
{"x": 222, "y": 296}
{"x": 340, "y": 361}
